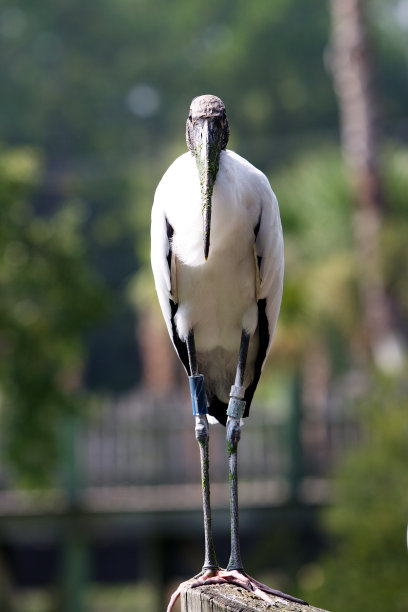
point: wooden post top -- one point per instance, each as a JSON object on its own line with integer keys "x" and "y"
{"x": 230, "y": 598}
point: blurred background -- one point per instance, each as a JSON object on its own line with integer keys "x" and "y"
{"x": 100, "y": 502}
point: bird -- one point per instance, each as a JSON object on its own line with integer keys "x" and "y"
{"x": 218, "y": 263}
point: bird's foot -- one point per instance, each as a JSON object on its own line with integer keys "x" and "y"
{"x": 197, "y": 580}
{"x": 239, "y": 578}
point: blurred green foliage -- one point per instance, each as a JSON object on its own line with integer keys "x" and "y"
{"x": 72, "y": 73}
{"x": 395, "y": 230}
{"x": 321, "y": 300}
{"x": 368, "y": 563}
{"x": 49, "y": 297}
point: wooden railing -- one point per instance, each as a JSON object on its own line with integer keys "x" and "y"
{"x": 140, "y": 453}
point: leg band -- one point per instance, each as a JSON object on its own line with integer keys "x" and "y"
{"x": 198, "y": 397}
{"x": 236, "y": 408}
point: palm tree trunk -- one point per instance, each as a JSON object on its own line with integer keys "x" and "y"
{"x": 353, "y": 81}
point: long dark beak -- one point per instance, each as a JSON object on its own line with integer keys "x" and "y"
{"x": 207, "y": 147}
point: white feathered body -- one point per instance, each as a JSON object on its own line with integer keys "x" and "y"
{"x": 219, "y": 297}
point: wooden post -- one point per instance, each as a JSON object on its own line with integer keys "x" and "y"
{"x": 230, "y": 598}
{"x": 294, "y": 438}
{"x": 352, "y": 67}
{"x": 75, "y": 553}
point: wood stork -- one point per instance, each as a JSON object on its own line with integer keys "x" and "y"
{"x": 217, "y": 259}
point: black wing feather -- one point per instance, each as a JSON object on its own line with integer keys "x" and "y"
{"x": 263, "y": 333}
{"x": 181, "y": 347}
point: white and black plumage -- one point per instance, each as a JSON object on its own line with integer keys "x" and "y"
{"x": 217, "y": 258}
{"x": 239, "y": 285}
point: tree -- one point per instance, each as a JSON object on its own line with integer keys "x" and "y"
{"x": 354, "y": 84}
{"x": 49, "y": 298}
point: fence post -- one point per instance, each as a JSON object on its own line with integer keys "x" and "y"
{"x": 74, "y": 568}
{"x": 294, "y": 437}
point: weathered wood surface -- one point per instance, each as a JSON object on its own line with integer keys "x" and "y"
{"x": 230, "y": 598}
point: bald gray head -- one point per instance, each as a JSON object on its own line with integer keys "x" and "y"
{"x": 207, "y": 135}
{"x": 209, "y": 108}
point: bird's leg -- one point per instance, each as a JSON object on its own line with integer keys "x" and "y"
{"x": 191, "y": 351}
{"x": 202, "y": 436}
{"x": 199, "y": 403}
{"x": 234, "y": 574}
{"x": 236, "y": 408}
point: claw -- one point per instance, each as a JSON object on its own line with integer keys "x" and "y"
{"x": 265, "y": 588}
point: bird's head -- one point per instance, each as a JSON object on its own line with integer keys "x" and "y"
{"x": 207, "y": 134}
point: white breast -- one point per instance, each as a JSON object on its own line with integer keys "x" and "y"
{"x": 218, "y": 296}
